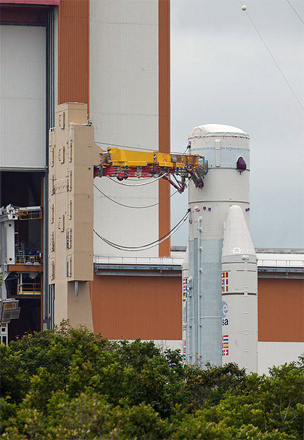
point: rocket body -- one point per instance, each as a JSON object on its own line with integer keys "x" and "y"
{"x": 227, "y": 184}
{"x": 239, "y": 293}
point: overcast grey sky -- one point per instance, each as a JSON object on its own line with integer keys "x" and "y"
{"x": 222, "y": 73}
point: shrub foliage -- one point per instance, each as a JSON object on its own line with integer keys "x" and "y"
{"x": 69, "y": 384}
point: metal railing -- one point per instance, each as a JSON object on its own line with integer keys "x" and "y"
{"x": 280, "y": 263}
{"x": 34, "y": 260}
{"x": 29, "y": 289}
{"x": 30, "y": 215}
{"x": 139, "y": 260}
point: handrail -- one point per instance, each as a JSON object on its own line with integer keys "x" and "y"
{"x": 24, "y": 259}
{"x": 288, "y": 263}
{"x": 28, "y": 288}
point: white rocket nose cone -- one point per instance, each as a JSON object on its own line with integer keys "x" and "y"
{"x": 237, "y": 238}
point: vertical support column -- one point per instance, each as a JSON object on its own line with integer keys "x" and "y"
{"x": 4, "y": 334}
{"x": 164, "y": 117}
{"x": 46, "y": 318}
{"x": 185, "y": 293}
{"x": 73, "y": 51}
{"x": 72, "y": 157}
{"x": 44, "y": 253}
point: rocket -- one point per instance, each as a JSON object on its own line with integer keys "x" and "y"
{"x": 221, "y": 326}
{"x": 239, "y": 293}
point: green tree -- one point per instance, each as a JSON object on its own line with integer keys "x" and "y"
{"x": 71, "y": 384}
{"x": 75, "y": 360}
{"x": 207, "y": 387}
{"x": 269, "y": 403}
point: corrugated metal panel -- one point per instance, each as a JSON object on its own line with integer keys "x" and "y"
{"x": 73, "y": 63}
{"x": 164, "y": 217}
{"x": 23, "y": 97}
{"x": 164, "y": 116}
{"x": 132, "y": 307}
{"x": 281, "y": 310}
{"x": 164, "y": 74}
{"x": 124, "y": 110}
{"x": 277, "y": 353}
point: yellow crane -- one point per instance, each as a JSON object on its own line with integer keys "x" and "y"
{"x": 122, "y": 164}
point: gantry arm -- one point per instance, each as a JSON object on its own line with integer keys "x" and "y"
{"x": 126, "y": 163}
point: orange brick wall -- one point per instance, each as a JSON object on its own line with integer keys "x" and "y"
{"x": 137, "y": 307}
{"x": 281, "y": 310}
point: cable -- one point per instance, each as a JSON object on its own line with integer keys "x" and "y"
{"x": 263, "y": 41}
{"x": 148, "y": 245}
{"x": 295, "y": 11}
{"x": 143, "y": 248}
{"x": 164, "y": 237}
{"x": 135, "y": 207}
{"x": 155, "y": 179}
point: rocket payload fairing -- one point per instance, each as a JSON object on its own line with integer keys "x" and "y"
{"x": 221, "y": 329}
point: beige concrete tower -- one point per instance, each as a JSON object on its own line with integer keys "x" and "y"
{"x": 72, "y": 156}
